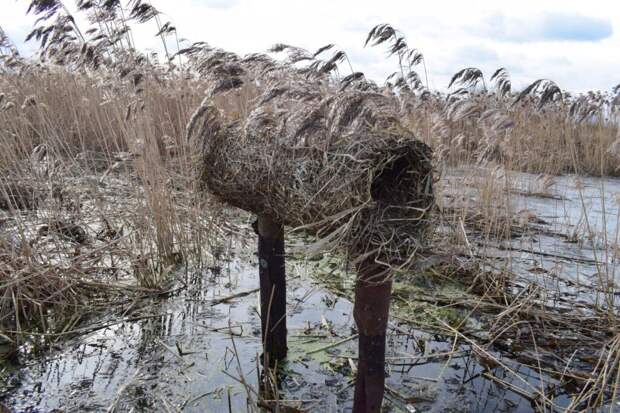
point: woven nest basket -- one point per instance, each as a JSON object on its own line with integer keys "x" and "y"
{"x": 337, "y": 164}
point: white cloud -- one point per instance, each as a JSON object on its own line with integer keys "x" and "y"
{"x": 550, "y": 26}
{"x": 541, "y": 38}
{"x": 16, "y": 24}
{"x": 215, "y": 4}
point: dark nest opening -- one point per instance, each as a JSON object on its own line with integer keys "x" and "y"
{"x": 393, "y": 184}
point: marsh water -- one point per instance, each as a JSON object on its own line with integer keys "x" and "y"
{"x": 136, "y": 364}
{"x": 195, "y": 348}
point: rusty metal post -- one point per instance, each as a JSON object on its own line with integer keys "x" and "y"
{"x": 371, "y": 312}
{"x": 272, "y": 289}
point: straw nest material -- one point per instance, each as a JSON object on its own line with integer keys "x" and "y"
{"x": 335, "y": 163}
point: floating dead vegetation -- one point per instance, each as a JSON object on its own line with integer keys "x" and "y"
{"x": 496, "y": 313}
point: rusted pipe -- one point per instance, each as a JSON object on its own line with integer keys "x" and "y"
{"x": 272, "y": 289}
{"x": 371, "y": 311}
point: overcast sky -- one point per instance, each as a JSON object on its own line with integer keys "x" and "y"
{"x": 575, "y": 43}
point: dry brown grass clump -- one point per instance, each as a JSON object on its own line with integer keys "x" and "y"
{"x": 30, "y": 288}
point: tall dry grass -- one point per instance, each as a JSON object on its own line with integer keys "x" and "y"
{"x": 482, "y": 129}
{"x": 110, "y": 162}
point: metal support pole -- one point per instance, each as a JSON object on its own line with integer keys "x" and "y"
{"x": 371, "y": 312}
{"x": 272, "y": 289}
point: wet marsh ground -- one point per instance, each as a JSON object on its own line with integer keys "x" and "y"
{"x": 513, "y": 316}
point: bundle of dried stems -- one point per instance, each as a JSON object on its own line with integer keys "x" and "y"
{"x": 335, "y": 163}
